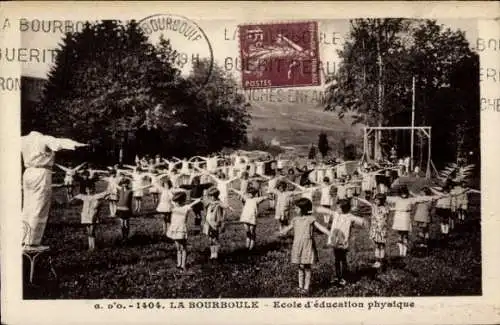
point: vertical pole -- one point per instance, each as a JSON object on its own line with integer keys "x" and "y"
{"x": 428, "y": 172}
{"x": 365, "y": 145}
{"x": 412, "y": 124}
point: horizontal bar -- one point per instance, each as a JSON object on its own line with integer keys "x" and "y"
{"x": 397, "y": 128}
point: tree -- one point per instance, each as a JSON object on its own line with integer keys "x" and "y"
{"x": 350, "y": 152}
{"x": 323, "y": 144}
{"x": 374, "y": 81}
{"x": 112, "y": 88}
{"x": 365, "y": 85}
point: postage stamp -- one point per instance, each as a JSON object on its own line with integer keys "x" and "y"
{"x": 279, "y": 55}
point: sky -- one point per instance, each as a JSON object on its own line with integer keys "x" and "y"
{"x": 224, "y": 42}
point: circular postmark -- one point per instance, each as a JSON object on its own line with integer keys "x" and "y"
{"x": 190, "y": 46}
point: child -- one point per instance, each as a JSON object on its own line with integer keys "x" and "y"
{"x": 339, "y": 236}
{"x": 124, "y": 206}
{"x": 244, "y": 182}
{"x": 283, "y": 203}
{"x": 341, "y": 190}
{"x": 378, "y": 227}
{"x": 213, "y": 221}
{"x": 326, "y": 199}
{"x": 422, "y": 218}
{"x": 69, "y": 178}
{"x": 249, "y": 214}
{"x": 402, "y": 216}
{"x": 222, "y": 184}
{"x": 304, "y": 251}
{"x": 463, "y": 201}
{"x": 165, "y": 203}
{"x": 356, "y": 187}
{"x": 138, "y": 179}
{"x": 155, "y": 184}
{"x": 196, "y": 190}
{"x": 90, "y": 208}
{"x": 443, "y": 210}
{"x": 113, "y": 181}
{"x": 178, "y": 226}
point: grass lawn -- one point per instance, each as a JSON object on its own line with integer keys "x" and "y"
{"x": 145, "y": 266}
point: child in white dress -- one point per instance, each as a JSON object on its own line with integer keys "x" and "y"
{"x": 249, "y": 214}
{"x": 339, "y": 236}
{"x": 284, "y": 201}
{"x": 91, "y": 204}
{"x": 178, "y": 226}
{"x": 69, "y": 178}
{"x": 165, "y": 203}
{"x": 326, "y": 199}
{"x": 138, "y": 183}
{"x": 113, "y": 184}
{"x": 403, "y": 205}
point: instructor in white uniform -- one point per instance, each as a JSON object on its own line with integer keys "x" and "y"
{"x": 38, "y": 153}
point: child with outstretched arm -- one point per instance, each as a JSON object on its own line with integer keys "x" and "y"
{"x": 304, "y": 252}
{"x": 339, "y": 236}
{"x": 89, "y": 215}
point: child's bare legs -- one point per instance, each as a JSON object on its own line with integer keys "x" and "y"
{"x": 91, "y": 236}
{"x": 214, "y": 247}
{"x": 403, "y": 243}
{"x": 180, "y": 246}
{"x": 112, "y": 209}
{"x": 307, "y": 277}
{"x": 463, "y": 214}
{"x": 250, "y": 232}
{"x": 326, "y": 217}
{"x": 69, "y": 192}
{"x": 125, "y": 225}
{"x": 354, "y": 203}
{"x": 379, "y": 254}
{"x": 156, "y": 197}
{"x": 452, "y": 220}
{"x": 340, "y": 264}
{"x": 301, "y": 276}
{"x": 252, "y": 237}
{"x": 166, "y": 222}
{"x": 179, "y": 254}
{"x": 248, "y": 235}
{"x": 445, "y": 223}
{"x": 138, "y": 204}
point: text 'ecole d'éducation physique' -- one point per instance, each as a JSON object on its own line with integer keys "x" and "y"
{"x": 255, "y": 304}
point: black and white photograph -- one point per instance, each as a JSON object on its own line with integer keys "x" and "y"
{"x": 166, "y": 157}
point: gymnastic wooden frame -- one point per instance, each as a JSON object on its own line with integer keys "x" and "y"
{"x": 425, "y": 130}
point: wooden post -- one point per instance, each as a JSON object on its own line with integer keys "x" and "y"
{"x": 428, "y": 172}
{"x": 365, "y": 145}
{"x": 412, "y": 139}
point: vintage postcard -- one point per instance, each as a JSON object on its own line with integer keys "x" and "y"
{"x": 249, "y": 162}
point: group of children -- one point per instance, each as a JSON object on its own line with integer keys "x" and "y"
{"x": 179, "y": 194}
{"x": 343, "y": 219}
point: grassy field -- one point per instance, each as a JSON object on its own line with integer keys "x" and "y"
{"x": 145, "y": 266}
